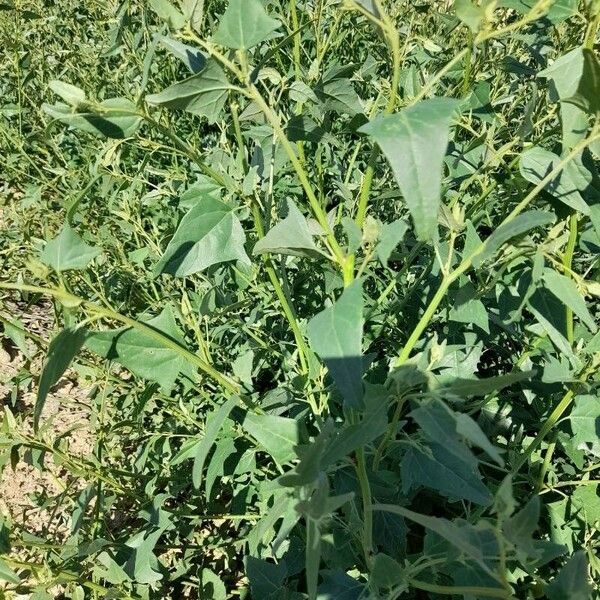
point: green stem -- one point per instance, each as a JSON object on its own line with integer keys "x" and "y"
{"x": 72, "y": 300}
{"x": 459, "y": 590}
{"x": 365, "y": 491}
{"x": 184, "y": 147}
{"x": 315, "y": 205}
{"x": 467, "y": 263}
{"x": 567, "y": 262}
{"x": 303, "y": 350}
{"x": 552, "y": 420}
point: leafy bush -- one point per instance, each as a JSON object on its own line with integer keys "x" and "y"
{"x": 329, "y": 270}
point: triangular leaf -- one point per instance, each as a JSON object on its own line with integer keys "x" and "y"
{"x": 143, "y": 354}
{"x": 67, "y": 251}
{"x": 336, "y": 335}
{"x": 208, "y": 234}
{"x": 202, "y": 94}
{"x": 415, "y": 142}
{"x": 244, "y": 25}
{"x": 291, "y": 236}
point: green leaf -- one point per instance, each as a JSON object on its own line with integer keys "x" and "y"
{"x": 415, "y": 142}
{"x": 471, "y": 15}
{"x": 61, "y": 352}
{"x": 214, "y": 423}
{"x": 576, "y": 79}
{"x": 482, "y": 387}
{"x": 515, "y": 228}
{"x": 585, "y": 423}
{"x": 390, "y": 235}
{"x": 7, "y": 574}
{"x": 208, "y": 234}
{"x": 168, "y": 13}
{"x": 463, "y": 537}
{"x": 244, "y": 25}
{"x": 557, "y": 10}
{"x": 224, "y": 448}
{"x": 191, "y": 57}
{"x": 69, "y": 93}
{"x": 350, "y": 437}
{"x": 277, "y": 435}
{"x": 202, "y": 94}
{"x": 565, "y": 289}
{"x": 444, "y": 472}
{"x": 211, "y": 585}
{"x": 335, "y": 334}
{"x": 291, "y": 236}
{"x": 142, "y": 353}
{"x": 266, "y": 578}
{"x": 67, "y": 251}
{"x": 339, "y": 95}
{"x": 469, "y": 309}
{"x": 113, "y": 118}
{"x": 572, "y": 582}
{"x": 537, "y": 162}
{"x": 444, "y": 426}
{"x": 565, "y": 75}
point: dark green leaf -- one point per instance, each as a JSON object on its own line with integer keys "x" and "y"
{"x": 61, "y": 352}
{"x": 573, "y": 580}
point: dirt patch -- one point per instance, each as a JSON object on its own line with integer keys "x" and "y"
{"x": 31, "y": 476}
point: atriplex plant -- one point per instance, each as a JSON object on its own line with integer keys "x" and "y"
{"x": 405, "y": 192}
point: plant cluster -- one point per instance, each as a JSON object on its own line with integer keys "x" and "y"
{"x": 329, "y": 269}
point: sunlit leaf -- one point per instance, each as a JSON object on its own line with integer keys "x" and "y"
{"x": 414, "y": 142}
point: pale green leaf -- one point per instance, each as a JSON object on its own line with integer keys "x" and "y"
{"x": 415, "y": 142}
{"x": 244, "y": 25}
{"x": 536, "y": 163}
{"x": 113, "y": 118}
{"x": 168, "y": 13}
{"x": 335, "y": 334}
{"x": 68, "y": 251}
{"x": 565, "y": 289}
{"x": 7, "y": 574}
{"x": 144, "y": 354}
{"x": 202, "y": 94}
{"x": 69, "y": 93}
{"x": 277, "y": 435}
{"x": 472, "y": 16}
{"x": 212, "y": 586}
{"x": 208, "y": 234}
{"x": 291, "y": 236}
